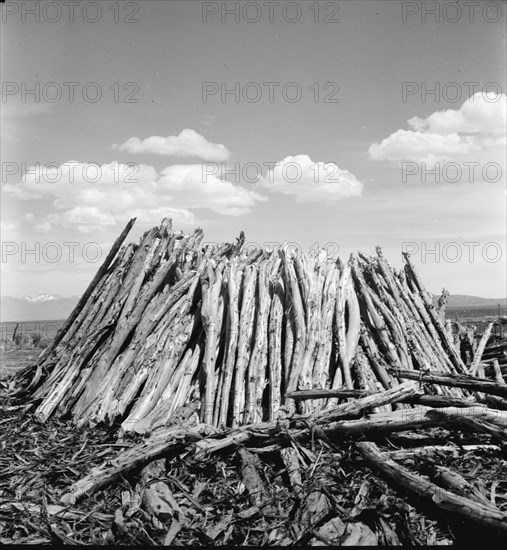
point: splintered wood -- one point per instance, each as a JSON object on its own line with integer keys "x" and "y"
{"x": 171, "y": 332}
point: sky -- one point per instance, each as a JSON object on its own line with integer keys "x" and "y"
{"x": 343, "y": 125}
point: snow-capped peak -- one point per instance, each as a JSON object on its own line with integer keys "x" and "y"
{"x": 41, "y": 298}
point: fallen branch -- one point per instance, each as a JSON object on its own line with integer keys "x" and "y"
{"x": 458, "y": 484}
{"x": 481, "y": 419}
{"x": 458, "y": 381}
{"x": 403, "y": 479}
{"x": 133, "y": 458}
{"x": 429, "y": 450}
{"x": 303, "y": 395}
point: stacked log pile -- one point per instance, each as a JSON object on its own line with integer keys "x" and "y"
{"x": 168, "y": 327}
{"x": 272, "y": 360}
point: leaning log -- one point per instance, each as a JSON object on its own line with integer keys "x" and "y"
{"x": 94, "y": 282}
{"x": 480, "y": 350}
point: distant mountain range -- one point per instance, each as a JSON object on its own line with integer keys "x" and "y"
{"x": 50, "y": 307}
{"x": 41, "y": 298}
{"x": 460, "y": 300}
{"x": 47, "y": 307}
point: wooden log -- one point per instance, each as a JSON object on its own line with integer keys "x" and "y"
{"x": 299, "y": 325}
{"x": 234, "y": 278}
{"x": 130, "y": 459}
{"x": 406, "y": 481}
{"x": 396, "y": 421}
{"x": 321, "y": 370}
{"x": 354, "y": 322}
{"x": 301, "y": 268}
{"x": 246, "y": 326}
{"x": 220, "y": 352}
{"x": 481, "y": 419}
{"x": 257, "y": 366}
{"x": 343, "y": 393}
{"x": 315, "y": 278}
{"x": 459, "y": 381}
{"x": 439, "y": 401}
{"x": 344, "y": 360}
{"x": 459, "y": 485}
{"x": 289, "y": 329}
{"x": 212, "y": 304}
{"x": 275, "y": 344}
{"x": 480, "y": 350}
{"x": 355, "y": 407}
{"x": 429, "y": 450}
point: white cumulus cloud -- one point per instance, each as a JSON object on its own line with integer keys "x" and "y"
{"x": 89, "y": 197}
{"x": 187, "y": 144}
{"x": 189, "y": 184}
{"x": 475, "y": 131}
{"x": 310, "y": 181}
